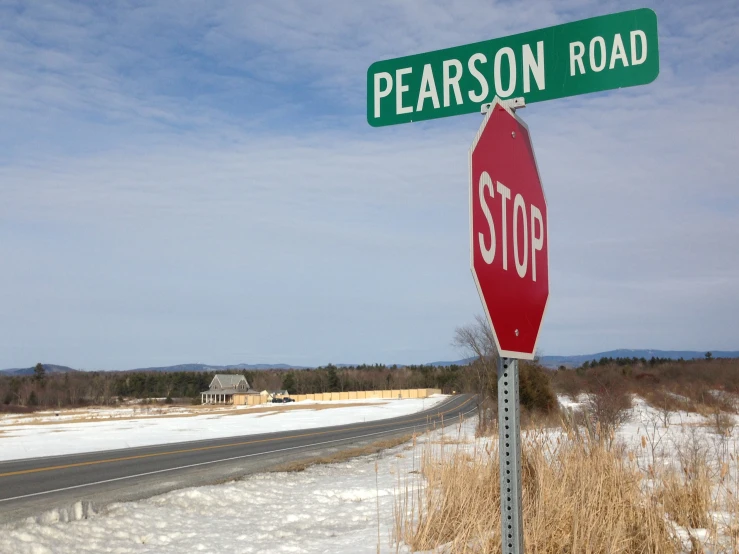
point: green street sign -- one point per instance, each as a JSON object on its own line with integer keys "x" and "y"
{"x": 601, "y": 53}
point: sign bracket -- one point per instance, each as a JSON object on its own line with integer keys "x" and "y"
{"x": 512, "y": 104}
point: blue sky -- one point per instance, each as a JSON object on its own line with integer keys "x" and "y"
{"x": 196, "y": 182}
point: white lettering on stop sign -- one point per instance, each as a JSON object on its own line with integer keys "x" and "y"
{"x": 521, "y": 218}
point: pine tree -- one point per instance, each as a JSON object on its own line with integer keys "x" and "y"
{"x": 333, "y": 380}
{"x": 39, "y": 372}
{"x": 288, "y": 383}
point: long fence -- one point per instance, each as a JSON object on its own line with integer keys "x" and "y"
{"x": 255, "y": 399}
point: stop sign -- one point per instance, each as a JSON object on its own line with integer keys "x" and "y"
{"x": 508, "y": 231}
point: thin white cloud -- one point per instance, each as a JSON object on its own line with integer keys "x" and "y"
{"x": 139, "y": 211}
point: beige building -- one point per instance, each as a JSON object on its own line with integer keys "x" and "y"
{"x": 222, "y": 389}
{"x": 249, "y": 397}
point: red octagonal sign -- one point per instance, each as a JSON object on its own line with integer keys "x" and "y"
{"x": 508, "y": 231}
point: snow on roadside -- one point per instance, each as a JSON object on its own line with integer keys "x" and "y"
{"x": 20, "y": 440}
{"x": 331, "y": 508}
{"x": 342, "y": 508}
{"x": 139, "y": 410}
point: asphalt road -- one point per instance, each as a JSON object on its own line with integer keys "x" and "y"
{"x": 72, "y": 487}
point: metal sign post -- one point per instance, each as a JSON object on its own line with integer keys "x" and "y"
{"x": 509, "y": 440}
{"x": 509, "y": 261}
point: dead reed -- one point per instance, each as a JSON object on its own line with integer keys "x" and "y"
{"x": 579, "y": 496}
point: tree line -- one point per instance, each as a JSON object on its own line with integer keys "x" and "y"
{"x": 634, "y": 361}
{"x": 107, "y": 388}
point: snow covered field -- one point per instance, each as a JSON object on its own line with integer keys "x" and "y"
{"x": 41, "y": 435}
{"x": 339, "y": 508}
{"x": 694, "y": 446}
{"x": 344, "y": 508}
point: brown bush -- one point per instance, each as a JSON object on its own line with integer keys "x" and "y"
{"x": 703, "y": 385}
{"x": 609, "y": 408}
{"x": 15, "y": 409}
{"x": 535, "y": 388}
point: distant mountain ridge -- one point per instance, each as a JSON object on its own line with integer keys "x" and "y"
{"x": 49, "y": 368}
{"x": 548, "y": 361}
{"x": 53, "y": 368}
{"x": 466, "y": 361}
{"x": 578, "y": 360}
{"x": 205, "y": 367}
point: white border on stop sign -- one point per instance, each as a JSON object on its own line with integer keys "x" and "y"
{"x": 505, "y": 353}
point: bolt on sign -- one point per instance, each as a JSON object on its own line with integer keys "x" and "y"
{"x": 591, "y": 55}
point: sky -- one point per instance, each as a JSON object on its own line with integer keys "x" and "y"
{"x": 196, "y": 181}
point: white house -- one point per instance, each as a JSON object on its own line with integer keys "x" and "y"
{"x": 274, "y": 393}
{"x": 223, "y": 387}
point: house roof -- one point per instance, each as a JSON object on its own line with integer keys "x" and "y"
{"x": 223, "y": 391}
{"x": 227, "y": 381}
{"x": 230, "y": 390}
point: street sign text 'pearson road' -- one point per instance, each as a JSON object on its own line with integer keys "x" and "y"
{"x": 601, "y": 53}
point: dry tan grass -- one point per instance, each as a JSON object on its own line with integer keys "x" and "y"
{"x": 578, "y": 495}
{"x": 687, "y": 497}
{"x": 343, "y": 455}
{"x": 447, "y": 440}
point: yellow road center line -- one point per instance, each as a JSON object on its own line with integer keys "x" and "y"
{"x": 204, "y": 448}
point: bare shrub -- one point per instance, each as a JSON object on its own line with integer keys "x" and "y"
{"x": 667, "y": 402}
{"x": 535, "y": 389}
{"x": 722, "y": 422}
{"x": 568, "y": 382}
{"x": 689, "y": 385}
{"x": 609, "y": 409}
{"x": 487, "y": 421}
{"x": 707, "y": 400}
{"x": 652, "y": 430}
{"x": 477, "y": 340}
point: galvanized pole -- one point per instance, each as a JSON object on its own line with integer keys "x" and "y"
{"x": 509, "y": 430}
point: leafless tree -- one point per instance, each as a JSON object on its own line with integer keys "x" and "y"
{"x": 610, "y": 408}
{"x": 477, "y": 340}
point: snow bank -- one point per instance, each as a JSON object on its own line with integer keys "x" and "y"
{"x": 330, "y": 508}
{"x": 341, "y": 508}
{"x": 22, "y": 440}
